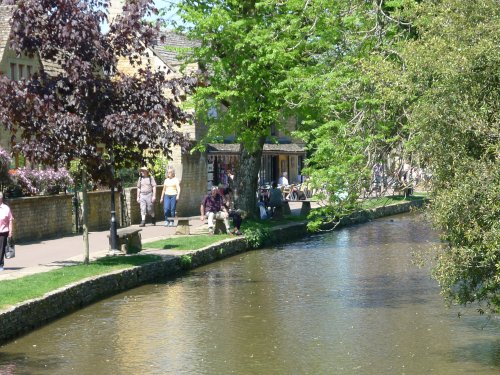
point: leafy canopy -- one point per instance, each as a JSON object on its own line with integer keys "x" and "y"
{"x": 453, "y": 72}
{"x": 79, "y": 101}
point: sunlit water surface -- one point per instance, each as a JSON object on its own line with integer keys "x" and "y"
{"x": 345, "y": 302}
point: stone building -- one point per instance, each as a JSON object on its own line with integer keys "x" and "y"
{"x": 14, "y": 67}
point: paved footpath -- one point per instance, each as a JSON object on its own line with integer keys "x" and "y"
{"x": 42, "y": 256}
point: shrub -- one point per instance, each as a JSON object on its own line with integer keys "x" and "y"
{"x": 5, "y": 162}
{"x": 50, "y": 181}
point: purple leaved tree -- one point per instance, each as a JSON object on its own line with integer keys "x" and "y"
{"x": 64, "y": 113}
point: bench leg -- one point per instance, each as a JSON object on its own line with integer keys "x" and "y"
{"x": 286, "y": 209}
{"x": 130, "y": 244}
{"x": 220, "y": 228}
{"x": 278, "y": 212}
{"x": 182, "y": 227}
{"x": 306, "y": 208}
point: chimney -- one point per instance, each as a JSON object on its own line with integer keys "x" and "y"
{"x": 115, "y": 9}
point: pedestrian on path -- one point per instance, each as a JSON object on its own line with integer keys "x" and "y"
{"x": 6, "y": 228}
{"x": 170, "y": 195}
{"x": 146, "y": 188}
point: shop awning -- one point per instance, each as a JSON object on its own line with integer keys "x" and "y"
{"x": 269, "y": 149}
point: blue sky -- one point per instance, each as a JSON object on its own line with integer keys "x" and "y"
{"x": 163, "y": 4}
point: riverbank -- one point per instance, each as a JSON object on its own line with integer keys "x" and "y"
{"x": 31, "y": 314}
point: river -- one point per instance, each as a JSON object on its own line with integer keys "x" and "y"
{"x": 344, "y": 302}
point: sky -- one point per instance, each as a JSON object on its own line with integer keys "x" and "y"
{"x": 163, "y": 4}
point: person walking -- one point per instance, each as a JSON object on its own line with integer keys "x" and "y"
{"x": 6, "y": 228}
{"x": 146, "y": 188}
{"x": 170, "y": 195}
{"x": 212, "y": 206}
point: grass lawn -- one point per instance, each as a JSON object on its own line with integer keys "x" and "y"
{"x": 185, "y": 242}
{"x": 385, "y": 201}
{"x": 32, "y": 286}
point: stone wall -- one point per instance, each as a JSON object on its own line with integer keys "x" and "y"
{"x": 42, "y": 217}
{"x": 100, "y": 209}
{"x": 37, "y": 218}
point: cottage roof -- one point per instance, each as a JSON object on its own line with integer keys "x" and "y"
{"x": 269, "y": 149}
{"x": 6, "y": 12}
{"x": 174, "y": 43}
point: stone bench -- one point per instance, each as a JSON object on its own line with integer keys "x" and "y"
{"x": 129, "y": 240}
{"x": 305, "y": 208}
{"x": 183, "y": 226}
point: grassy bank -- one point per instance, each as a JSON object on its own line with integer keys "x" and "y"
{"x": 368, "y": 204}
{"x": 185, "y": 242}
{"x": 33, "y": 286}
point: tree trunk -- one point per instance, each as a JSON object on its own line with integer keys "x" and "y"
{"x": 85, "y": 218}
{"x": 247, "y": 178}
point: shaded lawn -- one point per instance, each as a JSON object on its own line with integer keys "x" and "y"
{"x": 33, "y": 286}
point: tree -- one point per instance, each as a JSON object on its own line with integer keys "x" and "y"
{"x": 352, "y": 117}
{"x": 246, "y": 50}
{"x": 453, "y": 74}
{"x": 87, "y": 103}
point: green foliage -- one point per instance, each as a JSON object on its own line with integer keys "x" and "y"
{"x": 256, "y": 233}
{"x": 185, "y": 261}
{"x": 350, "y": 118}
{"x": 453, "y": 75}
{"x": 158, "y": 167}
{"x": 247, "y": 50}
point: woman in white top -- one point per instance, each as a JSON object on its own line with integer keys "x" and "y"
{"x": 170, "y": 195}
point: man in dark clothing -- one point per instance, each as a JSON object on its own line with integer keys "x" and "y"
{"x": 213, "y": 206}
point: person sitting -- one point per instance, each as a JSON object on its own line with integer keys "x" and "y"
{"x": 283, "y": 180}
{"x": 275, "y": 197}
{"x": 212, "y": 206}
{"x": 294, "y": 194}
{"x": 233, "y": 213}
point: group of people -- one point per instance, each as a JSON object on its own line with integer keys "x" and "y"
{"x": 216, "y": 205}
{"x": 146, "y": 188}
{"x": 220, "y": 206}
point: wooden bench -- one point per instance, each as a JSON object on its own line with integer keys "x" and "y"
{"x": 129, "y": 240}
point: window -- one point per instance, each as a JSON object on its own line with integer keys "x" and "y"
{"x": 21, "y": 71}
{"x": 29, "y": 70}
{"x": 12, "y": 71}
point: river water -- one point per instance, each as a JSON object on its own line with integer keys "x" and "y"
{"x": 344, "y": 302}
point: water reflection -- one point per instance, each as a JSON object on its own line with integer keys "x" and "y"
{"x": 346, "y": 302}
